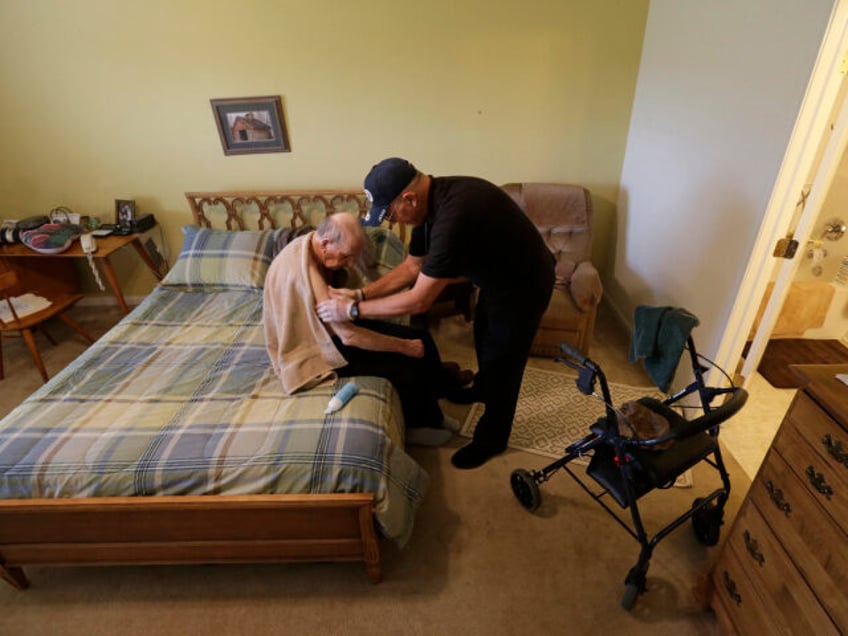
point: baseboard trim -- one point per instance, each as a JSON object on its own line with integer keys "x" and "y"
{"x": 108, "y": 301}
{"x": 618, "y": 314}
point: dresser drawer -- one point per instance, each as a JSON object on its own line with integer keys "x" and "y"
{"x": 747, "y": 606}
{"x": 800, "y": 443}
{"x": 815, "y": 541}
{"x": 760, "y": 587}
{"x": 784, "y": 566}
{"x": 827, "y": 439}
{"x": 736, "y": 600}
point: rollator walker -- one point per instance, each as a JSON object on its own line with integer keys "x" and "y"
{"x": 624, "y": 468}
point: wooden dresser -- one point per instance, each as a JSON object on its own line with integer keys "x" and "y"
{"x": 783, "y": 568}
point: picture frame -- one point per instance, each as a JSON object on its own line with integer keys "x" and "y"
{"x": 124, "y": 212}
{"x": 248, "y": 125}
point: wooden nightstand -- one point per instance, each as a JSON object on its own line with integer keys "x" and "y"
{"x": 106, "y": 246}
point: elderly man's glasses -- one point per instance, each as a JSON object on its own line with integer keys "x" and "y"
{"x": 388, "y": 213}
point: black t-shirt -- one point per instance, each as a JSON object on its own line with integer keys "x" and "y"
{"x": 475, "y": 229}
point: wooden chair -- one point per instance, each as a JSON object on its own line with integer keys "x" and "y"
{"x": 59, "y": 304}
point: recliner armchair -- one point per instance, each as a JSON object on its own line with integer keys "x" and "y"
{"x": 563, "y": 215}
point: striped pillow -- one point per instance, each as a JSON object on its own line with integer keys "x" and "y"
{"x": 221, "y": 259}
{"x": 387, "y": 251}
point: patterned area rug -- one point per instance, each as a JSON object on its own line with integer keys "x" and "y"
{"x": 552, "y": 413}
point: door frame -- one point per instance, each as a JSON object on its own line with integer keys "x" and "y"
{"x": 813, "y": 153}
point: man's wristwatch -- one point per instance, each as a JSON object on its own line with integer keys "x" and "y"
{"x": 354, "y": 310}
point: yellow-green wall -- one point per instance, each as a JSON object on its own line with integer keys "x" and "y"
{"x": 106, "y": 99}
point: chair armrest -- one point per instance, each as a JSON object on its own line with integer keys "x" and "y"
{"x": 586, "y": 288}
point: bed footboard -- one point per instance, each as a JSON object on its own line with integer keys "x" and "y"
{"x": 185, "y": 530}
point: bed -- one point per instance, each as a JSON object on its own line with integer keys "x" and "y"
{"x": 170, "y": 440}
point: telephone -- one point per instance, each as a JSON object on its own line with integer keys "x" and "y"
{"x": 89, "y": 246}
{"x": 87, "y": 243}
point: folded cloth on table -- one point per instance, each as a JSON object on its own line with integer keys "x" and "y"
{"x": 24, "y": 306}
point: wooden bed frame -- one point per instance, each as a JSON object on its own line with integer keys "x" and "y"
{"x": 190, "y": 529}
{"x": 202, "y": 529}
{"x": 277, "y": 208}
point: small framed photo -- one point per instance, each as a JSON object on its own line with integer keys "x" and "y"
{"x": 124, "y": 212}
{"x": 251, "y": 124}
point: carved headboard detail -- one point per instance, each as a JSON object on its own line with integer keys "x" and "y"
{"x": 239, "y": 210}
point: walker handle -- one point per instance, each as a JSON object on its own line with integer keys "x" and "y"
{"x": 573, "y": 352}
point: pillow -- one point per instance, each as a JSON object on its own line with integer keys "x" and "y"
{"x": 287, "y": 235}
{"x": 222, "y": 259}
{"x": 387, "y": 251}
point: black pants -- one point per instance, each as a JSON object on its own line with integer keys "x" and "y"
{"x": 503, "y": 334}
{"x": 420, "y": 382}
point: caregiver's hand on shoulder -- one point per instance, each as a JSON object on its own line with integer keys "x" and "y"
{"x": 335, "y": 309}
{"x": 343, "y": 292}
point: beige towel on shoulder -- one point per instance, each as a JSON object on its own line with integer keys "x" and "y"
{"x": 301, "y": 350}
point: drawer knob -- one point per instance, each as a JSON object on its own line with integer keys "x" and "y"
{"x": 776, "y": 495}
{"x": 730, "y": 586}
{"x": 818, "y": 482}
{"x": 836, "y": 449}
{"x": 753, "y": 548}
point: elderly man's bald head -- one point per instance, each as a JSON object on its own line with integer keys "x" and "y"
{"x": 339, "y": 240}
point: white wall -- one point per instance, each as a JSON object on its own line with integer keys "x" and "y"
{"x": 720, "y": 85}
{"x": 834, "y": 207}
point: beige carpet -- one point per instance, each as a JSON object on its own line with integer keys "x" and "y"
{"x": 478, "y": 563}
{"x": 552, "y": 413}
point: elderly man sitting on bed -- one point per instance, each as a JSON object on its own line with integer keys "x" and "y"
{"x": 305, "y": 351}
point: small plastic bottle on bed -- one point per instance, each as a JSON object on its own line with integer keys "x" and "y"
{"x": 342, "y": 397}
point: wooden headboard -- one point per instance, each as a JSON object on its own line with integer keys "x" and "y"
{"x": 239, "y": 210}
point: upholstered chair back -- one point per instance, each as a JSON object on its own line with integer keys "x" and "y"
{"x": 563, "y": 215}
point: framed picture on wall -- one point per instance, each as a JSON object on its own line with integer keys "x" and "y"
{"x": 124, "y": 212}
{"x": 249, "y": 125}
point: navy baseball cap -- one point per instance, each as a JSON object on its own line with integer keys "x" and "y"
{"x": 383, "y": 184}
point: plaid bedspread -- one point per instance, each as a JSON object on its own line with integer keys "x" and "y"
{"x": 179, "y": 399}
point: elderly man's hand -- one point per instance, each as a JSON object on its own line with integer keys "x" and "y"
{"x": 415, "y": 348}
{"x": 335, "y": 309}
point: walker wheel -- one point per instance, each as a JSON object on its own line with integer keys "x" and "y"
{"x": 525, "y": 489}
{"x": 707, "y": 522}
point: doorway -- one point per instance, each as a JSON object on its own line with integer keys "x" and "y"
{"x": 796, "y": 208}
{"x": 812, "y": 324}
{"x": 814, "y": 155}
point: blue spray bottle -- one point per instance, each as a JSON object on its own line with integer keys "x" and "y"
{"x": 342, "y": 397}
